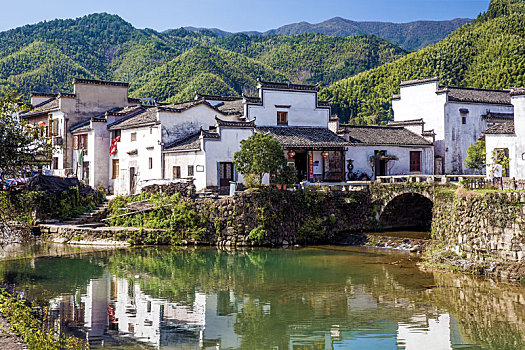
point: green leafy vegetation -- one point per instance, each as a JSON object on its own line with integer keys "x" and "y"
{"x": 32, "y": 328}
{"x": 171, "y": 213}
{"x": 488, "y": 53}
{"x": 476, "y": 156}
{"x": 27, "y": 206}
{"x": 259, "y": 154}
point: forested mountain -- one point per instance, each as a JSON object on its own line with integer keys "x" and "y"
{"x": 410, "y": 36}
{"x": 488, "y": 53}
{"x": 312, "y": 58}
{"x": 172, "y": 65}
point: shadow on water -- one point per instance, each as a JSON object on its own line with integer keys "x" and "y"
{"x": 317, "y": 297}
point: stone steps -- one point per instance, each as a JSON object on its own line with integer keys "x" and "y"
{"x": 93, "y": 216}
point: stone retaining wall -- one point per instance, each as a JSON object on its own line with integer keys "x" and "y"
{"x": 286, "y": 217}
{"x": 481, "y": 227}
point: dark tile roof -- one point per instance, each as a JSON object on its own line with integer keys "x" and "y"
{"x": 43, "y": 94}
{"x": 321, "y": 103}
{"x": 429, "y": 133}
{"x": 134, "y": 100}
{"x": 49, "y": 104}
{"x": 501, "y": 128}
{"x": 233, "y": 107}
{"x": 80, "y": 127}
{"x": 192, "y": 142}
{"x": 382, "y": 135}
{"x": 406, "y": 122}
{"x": 252, "y": 99}
{"x": 471, "y": 95}
{"x": 517, "y": 91}
{"x": 181, "y": 106}
{"x": 40, "y": 108}
{"x": 498, "y": 116}
{"x": 216, "y": 97}
{"x": 99, "y": 82}
{"x": 235, "y": 124}
{"x": 140, "y": 116}
{"x": 287, "y": 86}
{"x": 294, "y": 136}
{"x": 418, "y": 81}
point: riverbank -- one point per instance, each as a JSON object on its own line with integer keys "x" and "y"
{"x": 26, "y": 329}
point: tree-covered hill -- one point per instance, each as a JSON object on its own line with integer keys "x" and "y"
{"x": 312, "y": 58}
{"x": 208, "y": 70}
{"x": 410, "y": 36}
{"x": 488, "y": 53}
{"x": 171, "y": 65}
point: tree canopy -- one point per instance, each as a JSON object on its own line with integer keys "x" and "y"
{"x": 259, "y": 154}
{"x": 476, "y": 156}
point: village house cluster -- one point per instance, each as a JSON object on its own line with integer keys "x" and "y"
{"x": 109, "y": 140}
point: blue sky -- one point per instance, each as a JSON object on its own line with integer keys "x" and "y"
{"x": 236, "y": 15}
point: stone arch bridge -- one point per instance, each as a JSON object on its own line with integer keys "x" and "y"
{"x": 406, "y": 205}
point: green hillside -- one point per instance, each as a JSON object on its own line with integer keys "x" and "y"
{"x": 488, "y": 53}
{"x": 172, "y": 65}
{"x": 312, "y": 58}
{"x": 208, "y": 70}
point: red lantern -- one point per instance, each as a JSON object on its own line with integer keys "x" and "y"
{"x": 291, "y": 154}
{"x": 324, "y": 154}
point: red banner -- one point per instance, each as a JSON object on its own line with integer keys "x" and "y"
{"x": 113, "y": 148}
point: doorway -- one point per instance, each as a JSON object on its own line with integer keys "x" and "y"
{"x": 132, "y": 180}
{"x": 225, "y": 176}
{"x": 380, "y": 166}
{"x": 301, "y": 165}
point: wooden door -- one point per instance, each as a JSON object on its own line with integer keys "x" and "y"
{"x": 225, "y": 174}
{"x": 132, "y": 180}
{"x": 415, "y": 161}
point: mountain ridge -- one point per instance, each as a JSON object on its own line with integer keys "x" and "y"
{"x": 410, "y": 36}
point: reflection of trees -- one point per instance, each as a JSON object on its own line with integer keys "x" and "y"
{"x": 489, "y": 313}
{"x": 46, "y": 278}
{"x": 303, "y": 291}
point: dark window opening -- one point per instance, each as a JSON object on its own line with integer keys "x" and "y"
{"x": 282, "y": 118}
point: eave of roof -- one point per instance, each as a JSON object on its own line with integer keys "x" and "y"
{"x": 304, "y": 137}
{"x": 382, "y": 135}
{"x": 287, "y": 86}
{"x": 506, "y": 128}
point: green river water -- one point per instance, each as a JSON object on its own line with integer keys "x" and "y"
{"x": 325, "y": 297}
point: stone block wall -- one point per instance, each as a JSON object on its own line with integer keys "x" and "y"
{"x": 481, "y": 227}
{"x": 286, "y": 217}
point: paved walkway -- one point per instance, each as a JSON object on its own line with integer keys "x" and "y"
{"x": 8, "y": 339}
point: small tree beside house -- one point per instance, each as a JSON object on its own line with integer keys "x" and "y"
{"x": 476, "y": 156}
{"x": 259, "y": 154}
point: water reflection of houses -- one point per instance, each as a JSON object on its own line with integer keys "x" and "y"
{"x": 115, "y": 310}
{"x": 119, "y": 311}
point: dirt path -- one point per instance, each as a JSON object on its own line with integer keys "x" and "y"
{"x": 8, "y": 339}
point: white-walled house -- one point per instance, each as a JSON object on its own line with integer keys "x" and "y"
{"x": 386, "y": 150}
{"x": 91, "y": 145}
{"x": 293, "y": 115}
{"x": 508, "y": 139}
{"x": 59, "y": 112}
{"x": 456, "y": 116}
{"x": 141, "y": 159}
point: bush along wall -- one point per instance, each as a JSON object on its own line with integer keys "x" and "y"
{"x": 267, "y": 217}
{"x": 36, "y": 206}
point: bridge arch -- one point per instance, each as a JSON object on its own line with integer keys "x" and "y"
{"x": 403, "y": 206}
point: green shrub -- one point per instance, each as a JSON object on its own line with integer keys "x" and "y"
{"x": 311, "y": 231}
{"x": 32, "y": 329}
